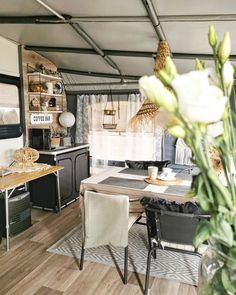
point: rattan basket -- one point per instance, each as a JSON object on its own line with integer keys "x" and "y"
{"x": 26, "y": 156}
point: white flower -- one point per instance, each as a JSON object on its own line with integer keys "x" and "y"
{"x": 228, "y": 74}
{"x": 153, "y": 89}
{"x": 198, "y": 100}
{"x": 213, "y": 77}
{"x": 214, "y": 130}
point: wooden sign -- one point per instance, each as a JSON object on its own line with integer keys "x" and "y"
{"x": 40, "y": 119}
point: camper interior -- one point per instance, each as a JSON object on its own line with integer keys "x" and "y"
{"x": 75, "y": 128}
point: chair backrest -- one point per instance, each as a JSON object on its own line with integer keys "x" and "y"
{"x": 144, "y": 164}
{"x": 172, "y": 227}
{"x": 116, "y": 163}
{"x": 105, "y": 219}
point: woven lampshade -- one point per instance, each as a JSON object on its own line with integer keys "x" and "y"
{"x": 163, "y": 52}
{"x": 149, "y": 109}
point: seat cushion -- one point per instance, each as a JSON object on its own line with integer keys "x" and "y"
{"x": 166, "y": 205}
{"x": 144, "y": 164}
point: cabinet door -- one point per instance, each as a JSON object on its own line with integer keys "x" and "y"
{"x": 66, "y": 178}
{"x": 81, "y": 166}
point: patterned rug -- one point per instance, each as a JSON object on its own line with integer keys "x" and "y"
{"x": 168, "y": 264}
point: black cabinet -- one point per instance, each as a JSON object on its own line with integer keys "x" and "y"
{"x": 43, "y": 191}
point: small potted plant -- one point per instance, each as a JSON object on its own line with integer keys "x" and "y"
{"x": 55, "y": 138}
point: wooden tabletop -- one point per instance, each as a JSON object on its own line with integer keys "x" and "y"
{"x": 12, "y": 180}
{"x": 96, "y": 183}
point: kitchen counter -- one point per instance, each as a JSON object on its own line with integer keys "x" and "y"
{"x": 75, "y": 160}
{"x": 63, "y": 149}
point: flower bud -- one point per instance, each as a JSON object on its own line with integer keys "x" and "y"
{"x": 177, "y": 131}
{"x": 153, "y": 89}
{"x": 165, "y": 78}
{"x": 170, "y": 67}
{"x": 199, "y": 65}
{"x": 224, "y": 48}
{"x": 228, "y": 75}
{"x": 212, "y": 37}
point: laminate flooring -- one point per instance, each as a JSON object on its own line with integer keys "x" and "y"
{"x": 28, "y": 269}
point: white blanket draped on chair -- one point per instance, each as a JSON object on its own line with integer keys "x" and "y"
{"x": 106, "y": 219}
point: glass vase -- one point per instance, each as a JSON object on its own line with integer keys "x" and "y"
{"x": 213, "y": 263}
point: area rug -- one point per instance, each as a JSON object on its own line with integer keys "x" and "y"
{"x": 168, "y": 264}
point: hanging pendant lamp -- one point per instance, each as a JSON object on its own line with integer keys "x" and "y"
{"x": 109, "y": 115}
{"x": 149, "y": 109}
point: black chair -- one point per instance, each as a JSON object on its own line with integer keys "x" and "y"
{"x": 144, "y": 164}
{"x": 170, "y": 227}
{"x": 116, "y": 163}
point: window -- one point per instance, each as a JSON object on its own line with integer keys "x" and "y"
{"x": 10, "y": 107}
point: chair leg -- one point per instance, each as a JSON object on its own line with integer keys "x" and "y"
{"x": 82, "y": 258}
{"x": 148, "y": 270}
{"x": 150, "y": 244}
{"x": 126, "y": 265}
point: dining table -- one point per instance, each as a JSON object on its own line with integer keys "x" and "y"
{"x": 135, "y": 184}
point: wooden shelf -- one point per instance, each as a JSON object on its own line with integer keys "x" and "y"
{"x": 58, "y": 112}
{"x": 44, "y": 94}
{"x": 37, "y": 74}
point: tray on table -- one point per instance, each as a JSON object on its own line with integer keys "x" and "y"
{"x": 163, "y": 182}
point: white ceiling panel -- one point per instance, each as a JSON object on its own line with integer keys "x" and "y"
{"x": 135, "y": 65}
{"x": 21, "y": 8}
{"x": 43, "y": 35}
{"x": 193, "y": 37}
{"x": 126, "y": 36}
{"x": 186, "y": 7}
{"x": 99, "y": 7}
{"x": 93, "y": 63}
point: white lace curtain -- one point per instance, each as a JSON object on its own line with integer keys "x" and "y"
{"x": 112, "y": 145}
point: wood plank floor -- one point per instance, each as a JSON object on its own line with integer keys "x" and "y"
{"x": 28, "y": 269}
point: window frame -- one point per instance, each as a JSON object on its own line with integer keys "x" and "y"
{"x": 12, "y": 130}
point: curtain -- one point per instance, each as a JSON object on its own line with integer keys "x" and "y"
{"x": 82, "y": 129}
{"x": 146, "y": 143}
{"x": 99, "y": 144}
{"x": 121, "y": 143}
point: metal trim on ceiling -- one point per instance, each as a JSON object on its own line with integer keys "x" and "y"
{"x": 124, "y": 53}
{"x": 102, "y": 83}
{"x": 51, "y": 19}
{"x": 98, "y": 74}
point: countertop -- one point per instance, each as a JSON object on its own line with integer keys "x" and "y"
{"x": 62, "y": 149}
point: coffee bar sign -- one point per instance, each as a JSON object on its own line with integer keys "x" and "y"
{"x": 37, "y": 119}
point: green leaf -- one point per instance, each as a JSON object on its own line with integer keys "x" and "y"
{"x": 202, "y": 234}
{"x": 231, "y": 259}
{"x": 204, "y": 203}
{"x": 200, "y": 190}
{"x": 228, "y": 282}
{"x": 223, "y": 209}
{"x": 222, "y": 231}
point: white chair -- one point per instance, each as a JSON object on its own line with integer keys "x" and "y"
{"x": 106, "y": 220}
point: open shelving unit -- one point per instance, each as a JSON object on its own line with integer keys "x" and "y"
{"x": 38, "y": 100}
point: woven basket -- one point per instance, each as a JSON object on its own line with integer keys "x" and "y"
{"x": 26, "y": 156}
